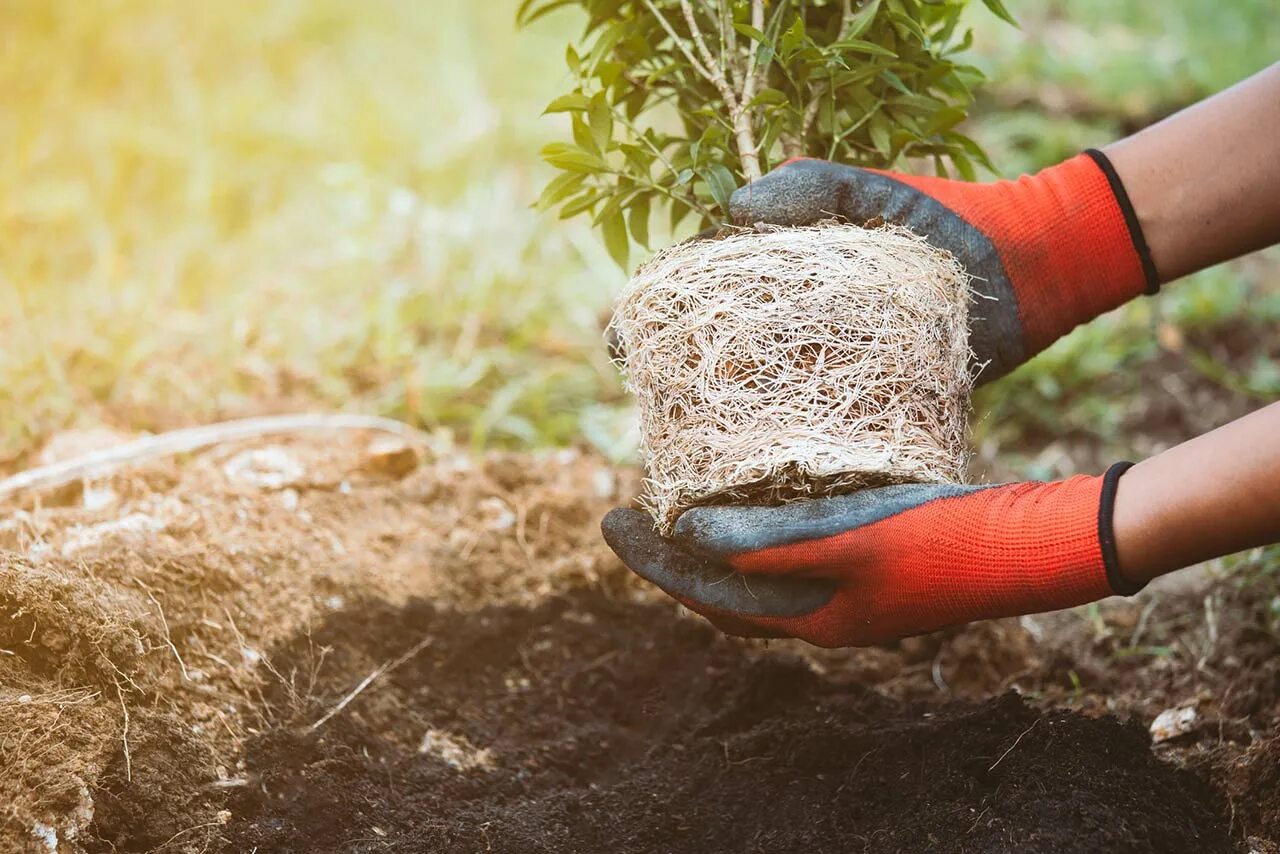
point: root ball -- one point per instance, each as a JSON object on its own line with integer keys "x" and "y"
{"x": 780, "y": 364}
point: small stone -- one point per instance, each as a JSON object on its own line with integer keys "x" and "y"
{"x": 271, "y": 467}
{"x": 1172, "y": 723}
{"x": 455, "y": 751}
{"x": 389, "y": 456}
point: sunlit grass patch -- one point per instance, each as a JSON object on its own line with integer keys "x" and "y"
{"x": 215, "y": 209}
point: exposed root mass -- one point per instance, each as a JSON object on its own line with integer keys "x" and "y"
{"x": 782, "y": 364}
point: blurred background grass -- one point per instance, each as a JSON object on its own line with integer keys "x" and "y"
{"x": 211, "y": 210}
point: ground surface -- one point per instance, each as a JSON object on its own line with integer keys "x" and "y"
{"x": 279, "y": 206}
{"x": 336, "y": 645}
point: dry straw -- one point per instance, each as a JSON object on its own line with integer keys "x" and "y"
{"x": 774, "y": 364}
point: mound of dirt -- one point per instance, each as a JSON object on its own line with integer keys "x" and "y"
{"x": 136, "y": 612}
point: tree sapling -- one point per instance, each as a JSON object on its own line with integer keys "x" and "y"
{"x": 772, "y": 364}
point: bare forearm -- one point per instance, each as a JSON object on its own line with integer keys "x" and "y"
{"x": 1205, "y": 182}
{"x": 1214, "y": 495}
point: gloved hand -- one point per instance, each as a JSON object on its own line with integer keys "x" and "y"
{"x": 1047, "y": 252}
{"x": 884, "y": 563}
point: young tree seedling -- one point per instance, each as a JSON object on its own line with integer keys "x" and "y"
{"x": 675, "y": 103}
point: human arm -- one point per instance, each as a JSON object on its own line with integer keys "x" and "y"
{"x": 1205, "y": 182}
{"x": 902, "y": 560}
{"x": 1213, "y": 495}
{"x": 1053, "y": 250}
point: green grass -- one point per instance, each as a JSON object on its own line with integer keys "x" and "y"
{"x": 220, "y": 209}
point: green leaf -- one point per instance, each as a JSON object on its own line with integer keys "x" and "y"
{"x": 583, "y": 137}
{"x": 944, "y": 119}
{"x": 614, "y": 229}
{"x": 605, "y": 44}
{"x": 640, "y": 159}
{"x": 660, "y": 72}
{"x": 618, "y": 199}
{"x": 895, "y": 81}
{"x": 862, "y": 19}
{"x": 973, "y": 150}
{"x": 901, "y": 138}
{"x": 880, "y": 132}
{"x": 884, "y": 77}
{"x": 559, "y": 189}
{"x": 849, "y": 78}
{"x": 909, "y": 24}
{"x": 638, "y": 219}
{"x": 526, "y": 14}
{"x": 636, "y": 102}
{"x": 793, "y": 38}
{"x": 573, "y": 102}
{"x": 601, "y": 116}
{"x": 918, "y": 104}
{"x": 583, "y": 203}
{"x": 964, "y": 44}
{"x": 769, "y": 97}
{"x": 860, "y": 46}
{"x": 997, "y": 7}
{"x": 721, "y": 184}
{"x": 608, "y": 73}
{"x": 571, "y": 158}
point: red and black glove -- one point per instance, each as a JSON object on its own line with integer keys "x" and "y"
{"x": 1047, "y": 252}
{"x": 884, "y": 563}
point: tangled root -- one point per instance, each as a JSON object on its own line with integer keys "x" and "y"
{"x": 780, "y": 364}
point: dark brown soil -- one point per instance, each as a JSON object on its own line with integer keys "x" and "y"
{"x": 614, "y": 726}
{"x": 164, "y": 658}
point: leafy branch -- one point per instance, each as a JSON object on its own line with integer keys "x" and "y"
{"x": 676, "y": 103}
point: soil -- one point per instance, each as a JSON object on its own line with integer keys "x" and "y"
{"x": 298, "y": 646}
{"x": 607, "y": 726}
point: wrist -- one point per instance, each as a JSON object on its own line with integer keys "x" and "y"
{"x": 1127, "y": 575}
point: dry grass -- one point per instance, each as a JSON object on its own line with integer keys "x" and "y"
{"x": 136, "y": 638}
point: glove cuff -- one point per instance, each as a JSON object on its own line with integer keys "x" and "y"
{"x": 1149, "y": 273}
{"x": 1106, "y": 532}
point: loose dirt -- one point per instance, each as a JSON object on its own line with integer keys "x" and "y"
{"x": 325, "y": 645}
{"x": 591, "y": 725}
